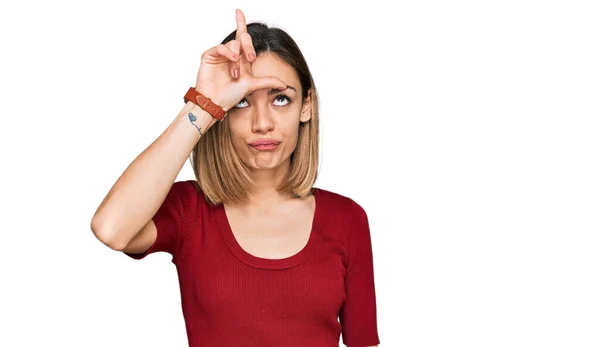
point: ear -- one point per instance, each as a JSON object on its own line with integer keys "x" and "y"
{"x": 306, "y": 112}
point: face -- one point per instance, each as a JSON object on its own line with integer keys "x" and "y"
{"x": 264, "y": 125}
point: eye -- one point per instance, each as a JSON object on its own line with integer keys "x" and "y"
{"x": 282, "y": 100}
{"x": 241, "y": 102}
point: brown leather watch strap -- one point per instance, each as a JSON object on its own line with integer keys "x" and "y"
{"x": 205, "y": 103}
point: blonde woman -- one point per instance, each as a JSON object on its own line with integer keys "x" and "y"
{"x": 264, "y": 258}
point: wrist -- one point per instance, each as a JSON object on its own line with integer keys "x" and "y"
{"x": 196, "y": 117}
{"x": 205, "y": 102}
{"x": 215, "y": 99}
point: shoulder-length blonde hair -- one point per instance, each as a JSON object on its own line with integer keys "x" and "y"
{"x": 219, "y": 171}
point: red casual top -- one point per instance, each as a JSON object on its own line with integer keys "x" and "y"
{"x": 232, "y": 298}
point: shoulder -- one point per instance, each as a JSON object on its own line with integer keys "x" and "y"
{"x": 184, "y": 186}
{"x": 188, "y": 201}
{"x": 340, "y": 215}
{"x": 343, "y": 220}
{"x": 185, "y": 190}
{"x": 188, "y": 192}
{"x": 338, "y": 202}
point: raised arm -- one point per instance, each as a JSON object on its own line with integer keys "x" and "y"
{"x": 123, "y": 221}
{"x": 142, "y": 187}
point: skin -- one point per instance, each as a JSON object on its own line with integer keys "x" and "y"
{"x": 268, "y": 114}
{"x": 265, "y": 114}
{"x": 275, "y": 115}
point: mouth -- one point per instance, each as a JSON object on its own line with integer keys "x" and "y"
{"x": 265, "y": 145}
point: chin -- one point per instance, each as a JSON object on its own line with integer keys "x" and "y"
{"x": 258, "y": 164}
{"x": 267, "y": 161}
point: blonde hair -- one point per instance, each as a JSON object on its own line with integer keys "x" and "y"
{"x": 220, "y": 172}
{"x": 223, "y": 177}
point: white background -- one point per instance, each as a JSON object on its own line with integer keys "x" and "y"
{"x": 468, "y": 130}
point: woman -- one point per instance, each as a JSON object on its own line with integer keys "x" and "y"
{"x": 263, "y": 257}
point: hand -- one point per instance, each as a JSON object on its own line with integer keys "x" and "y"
{"x": 225, "y": 74}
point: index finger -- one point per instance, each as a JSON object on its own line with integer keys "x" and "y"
{"x": 241, "y": 23}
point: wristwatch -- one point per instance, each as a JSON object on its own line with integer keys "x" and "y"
{"x": 205, "y": 103}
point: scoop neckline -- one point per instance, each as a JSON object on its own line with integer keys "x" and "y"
{"x": 267, "y": 263}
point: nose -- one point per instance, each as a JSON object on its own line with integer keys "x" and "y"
{"x": 262, "y": 120}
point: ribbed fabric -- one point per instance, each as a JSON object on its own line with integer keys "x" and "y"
{"x": 232, "y": 298}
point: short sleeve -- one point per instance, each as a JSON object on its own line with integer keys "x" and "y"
{"x": 358, "y": 315}
{"x": 169, "y": 220}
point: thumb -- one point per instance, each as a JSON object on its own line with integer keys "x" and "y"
{"x": 266, "y": 82}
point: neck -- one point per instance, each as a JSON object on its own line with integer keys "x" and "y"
{"x": 264, "y": 193}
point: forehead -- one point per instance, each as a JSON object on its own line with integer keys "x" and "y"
{"x": 268, "y": 64}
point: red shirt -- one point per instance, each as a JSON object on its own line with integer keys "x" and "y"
{"x": 232, "y": 298}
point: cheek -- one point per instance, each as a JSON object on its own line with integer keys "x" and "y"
{"x": 291, "y": 136}
{"x": 237, "y": 134}
{"x": 237, "y": 127}
{"x": 291, "y": 123}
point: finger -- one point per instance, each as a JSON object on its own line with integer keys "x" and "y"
{"x": 241, "y": 23}
{"x": 222, "y": 51}
{"x": 228, "y": 53}
{"x": 247, "y": 46}
{"x": 234, "y": 46}
{"x": 266, "y": 82}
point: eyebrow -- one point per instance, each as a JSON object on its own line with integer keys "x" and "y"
{"x": 275, "y": 91}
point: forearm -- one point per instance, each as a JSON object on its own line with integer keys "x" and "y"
{"x": 142, "y": 187}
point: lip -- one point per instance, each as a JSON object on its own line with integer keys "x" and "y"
{"x": 264, "y": 144}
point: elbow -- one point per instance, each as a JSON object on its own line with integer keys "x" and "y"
{"x": 106, "y": 234}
